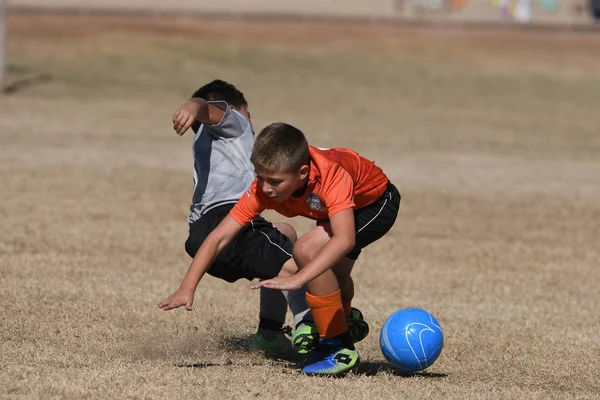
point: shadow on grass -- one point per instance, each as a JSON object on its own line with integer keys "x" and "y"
{"x": 366, "y": 368}
{"x": 290, "y": 360}
{"x": 372, "y": 368}
{"x": 236, "y": 364}
{"x": 26, "y": 82}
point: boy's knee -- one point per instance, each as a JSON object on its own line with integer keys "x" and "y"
{"x": 289, "y": 268}
{"x": 287, "y": 230}
{"x": 305, "y": 250}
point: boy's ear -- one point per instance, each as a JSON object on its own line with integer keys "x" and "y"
{"x": 232, "y": 107}
{"x": 303, "y": 173}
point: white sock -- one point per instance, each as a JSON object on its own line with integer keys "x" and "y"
{"x": 298, "y": 306}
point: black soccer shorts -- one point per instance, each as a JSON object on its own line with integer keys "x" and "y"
{"x": 258, "y": 251}
{"x": 375, "y": 220}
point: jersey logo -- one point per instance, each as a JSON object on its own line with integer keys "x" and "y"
{"x": 313, "y": 202}
{"x": 248, "y": 193}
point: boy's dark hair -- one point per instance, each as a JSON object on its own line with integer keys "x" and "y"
{"x": 280, "y": 147}
{"x": 219, "y": 90}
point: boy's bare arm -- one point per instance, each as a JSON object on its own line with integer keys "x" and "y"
{"x": 195, "y": 109}
{"x": 210, "y": 249}
{"x": 341, "y": 243}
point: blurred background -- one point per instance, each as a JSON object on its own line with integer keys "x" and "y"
{"x": 484, "y": 113}
{"x": 578, "y": 12}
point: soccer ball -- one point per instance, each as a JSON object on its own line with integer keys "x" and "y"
{"x": 411, "y": 339}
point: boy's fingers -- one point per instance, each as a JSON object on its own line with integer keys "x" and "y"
{"x": 273, "y": 284}
{"x": 162, "y": 303}
{"x": 180, "y": 122}
{"x": 188, "y": 123}
{"x": 267, "y": 283}
{"x": 170, "y": 306}
{"x": 167, "y": 304}
{"x": 179, "y": 116}
{"x": 176, "y": 115}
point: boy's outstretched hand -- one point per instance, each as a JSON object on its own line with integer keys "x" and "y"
{"x": 178, "y": 299}
{"x": 185, "y": 116}
{"x": 280, "y": 283}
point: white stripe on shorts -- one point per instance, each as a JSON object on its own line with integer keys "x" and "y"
{"x": 376, "y": 215}
{"x": 270, "y": 241}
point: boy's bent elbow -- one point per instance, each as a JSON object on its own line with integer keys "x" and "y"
{"x": 217, "y": 240}
{"x": 349, "y": 243}
{"x": 224, "y": 233}
{"x": 351, "y": 246}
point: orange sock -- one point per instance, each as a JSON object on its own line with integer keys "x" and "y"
{"x": 347, "y": 308}
{"x": 328, "y": 314}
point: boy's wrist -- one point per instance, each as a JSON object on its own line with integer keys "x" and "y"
{"x": 196, "y": 104}
{"x": 187, "y": 287}
{"x": 301, "y": 276}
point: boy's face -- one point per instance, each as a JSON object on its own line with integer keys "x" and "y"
{"x": 278, "y": 186}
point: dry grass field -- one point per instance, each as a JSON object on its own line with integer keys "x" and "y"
{"x": 492, "y": 137}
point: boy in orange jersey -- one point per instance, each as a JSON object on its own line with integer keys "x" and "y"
{"x": 354, "y": 205}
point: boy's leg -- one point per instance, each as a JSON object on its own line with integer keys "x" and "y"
{"x": 274, "y": 303}
{"x": 323, "y": 293}
{"x": 287, "y": 230}
{"x": 371, "y": 223}
{"x": 312, "y": 243}
{"x": 328, "y": 283}
{"x": 342, "y": 271}
{"x": 338, "y": 353}
{"x": 265, "y": 252}
{"x": 358, "y": 328}
{"x": 296, "y": 299}
{"x": 306, "y": 336}
{"x": 308, "y": 247}
{"x": 259, "y": 251}
{"x": 273, "y": 309}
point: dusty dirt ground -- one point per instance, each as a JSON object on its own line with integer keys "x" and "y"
{"x": 491, "y": 136}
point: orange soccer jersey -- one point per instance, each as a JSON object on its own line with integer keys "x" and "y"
{"x": 339, "y": 179}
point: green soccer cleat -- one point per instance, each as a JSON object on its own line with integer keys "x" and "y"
{"x": 273, "y": 343}
{"x": 337, "y": 360}
{"x": 305, "y": 338}
{"x": 357, "y": 326}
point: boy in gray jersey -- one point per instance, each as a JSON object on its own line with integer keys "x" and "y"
{"x": 218, "y": 114}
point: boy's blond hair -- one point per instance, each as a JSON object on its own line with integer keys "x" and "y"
{"x": 280, "y": 147}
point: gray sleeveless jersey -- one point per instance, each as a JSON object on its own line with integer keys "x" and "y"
{"x": 222, "y": 168}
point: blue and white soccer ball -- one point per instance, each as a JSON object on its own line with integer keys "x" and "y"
{"x": 411, "y": 339}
